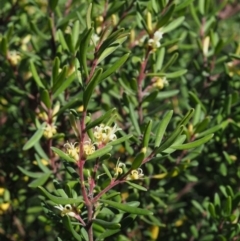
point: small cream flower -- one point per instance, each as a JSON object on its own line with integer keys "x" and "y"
{"x": 135, "y": 174}
{"x": 119, "y": 168}
{"x": 105, "y": 134}
{"x": 49, "y": 131}
{"x": 160, "y": 82}
{"x": 66, "y": 210}
{"x": 14, "y": 58}
{"x": 155, "y": 41}
{"x": 88, "y": 148}
{"x": 71, "y": 150}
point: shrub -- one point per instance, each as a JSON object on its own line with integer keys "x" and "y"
{"x": 120, "y": 120}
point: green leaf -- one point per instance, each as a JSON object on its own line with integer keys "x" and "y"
{"x": 171, "y": 139}
{"x": 69, "y": 42}
{"x": 167, "y": 94}
{"x": 40, "y": 151}
{"x": 63, "y": 155}
{"x": 173, "y": 24}
{"x": 133, "y": 117}
{"x": 228, "y": 206}
{"x": 198, "y": 206}
{"x": 75, "y": 33}
{"x": 55, "y": 69}
{"x": 30, "y": 174}
{"x": 162, "y": 128}
{"x": 209, "y": 131}
{"x": 109, "y": 50}
{"x": 138, "y": 160}
{"x": 35, "y": 75}
{"x": 193, "y": 144}
{"x": 151, "y": 97}
{"x": 67, "y": 223}
{"x": 101, "y": 119}
{"x": 53, "y": 4}
{"x": 165, "y": 17}
{"x": 120, "y": 140}
{"x": 45, "y": 98}
{"x": 44, "y": 168}
{"x": 73, "y": 123}
{"x": 182, "y": 5}
{"x": 105, "y": 224}
{"x": 90, "y": 87}
{"x": 126, "y": 208}
{"x": 35, "y": 138}
{"x": 89, "y": 16}
{"x": 114, "y": 67}
{"x": 60, "y": 81}
{"x": 211, "y": 210}
{"x": 100, "y": 152}
{"x": 84, "y": 234}
{"x": 105, "y": 168}
{"x": 40, "y": 181}
{"x": 178, "y": 141}
{"x": 4, "y": 46}
{"x": 147, "y": 134}
{"x": 64, "y": 84}
{"x": 176, "y": 74}
{"x": 186, "y": 118}
{"x": 136, "y": 186}
{"x": 235, "y": 56}
{"x": 60, "y": 200}
{"x": 107, "y": 233}
{"x": 83, "y": 50}
{"x": 194, "y": 14}
{"x": 62, "y": 39}
{"x": 170, "y": 62}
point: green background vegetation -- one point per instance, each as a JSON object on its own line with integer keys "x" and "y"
{"x": 47, "y": 58}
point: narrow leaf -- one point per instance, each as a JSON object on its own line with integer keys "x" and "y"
{"x": 101, "y": 119}
{"x": 114, "y": 67}
{"x": 166, "y": 16}
{"x": 162, "y": 127}
{"x": 136, "y": 186}
{"x": 170, "y": 140}
{"x": 193, "y": 144}
{"x": 35, "y": 138}
{"x": 29, "y": 173}
{"x": 59, "y": 200}
{"x": 105, "y": 224}
{"x": 35, "y": 75}
{"x": 100, "y": 152}
{"x": 68, "y": 225}
{"x": 138, "y": 160}
{"x": 62, "y": 154}
{"x": 127, "y": 208}
{"x": 83, "y": 50}
{"x": 90, "y": 87}
{"x": 40, "y": 181}
{"x": 147, "y": 134}
{"x": 105, "y": 168}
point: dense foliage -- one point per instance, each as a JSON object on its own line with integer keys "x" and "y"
{"x": 120, "y": 120}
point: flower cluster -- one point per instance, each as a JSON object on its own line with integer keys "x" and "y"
{"x": 49, "y": 131}
{"x": 88, "y": 148}
{"x": 73, "y": 151}
{"x": 105, "y": 134}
